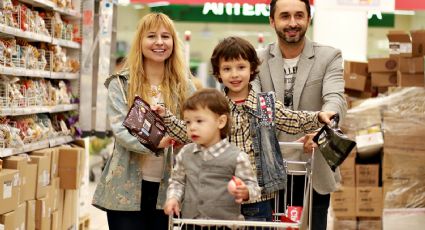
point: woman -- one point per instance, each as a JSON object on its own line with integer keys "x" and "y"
{"x": 133, "y": 184}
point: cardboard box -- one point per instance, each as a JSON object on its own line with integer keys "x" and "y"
{"x": 409, "y": 80}
{"x": 353, "y": 67}
{"x": 20, "y": 214}
{"x": 43, "y": 174}
{"x": 343, "y": 202}
{"x": 411, "y": 65}
{"x": 369, "y": 223}
{"x": 53, "y": 155}
{"x": 356, "y": 76}
{"x": 8, "y": 221}
{"x": 382, "y": 64}
{"x": 343, "y": 223}
{"x": 399, "y": 43}
{"x": 367, "y": 175}
{"x": 69, "y": 216}
{"x": 348, "y": 174}
{"x": 69, "y": 167}
{"x": 30, "y": 215}
{"x": 384, "y": 79}
{"x": 55, "y": 189}
{"x": 406, "y": 218}
{"x": 30, "y": 182}
{"x": 60, "y": 206}
{"x": 357, "y": 82}
{"x": 27, "y": 176}
{"x": 368, "y": 201}
{"x": 418, "y": 43}
{"x": 358, "y": 94}
{"x": 9, "y": 190}
{"x": 55, "y": 220}
{"x": 42, "y": 214}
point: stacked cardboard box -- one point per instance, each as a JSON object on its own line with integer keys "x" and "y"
{"x": 32, "y": 195}
{"x": 383, "y": 71}
{"x": 411, "y": 72}
{"x": 408, "y": 49}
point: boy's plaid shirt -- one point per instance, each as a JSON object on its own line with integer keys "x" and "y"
{"x": 288, "y": 121}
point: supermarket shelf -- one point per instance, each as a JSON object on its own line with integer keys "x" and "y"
{"x": 40, "y": 3}
{"x": 62, "y": 75}
{"x": 37, "y": 109}
{"x": 66, "y": 43}
{"x": 49, "y": 5}
{"x": 68, "y": 12}
{"x": 17, "y": 71}
{"x": 31, "y": 36}
{"x": 51, "y": 142}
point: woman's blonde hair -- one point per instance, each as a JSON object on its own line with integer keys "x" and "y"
{"x": 174, "y": 84}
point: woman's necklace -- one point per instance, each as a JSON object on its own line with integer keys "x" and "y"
{"x": 155, "y": 90}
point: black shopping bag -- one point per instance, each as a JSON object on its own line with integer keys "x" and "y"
{"x": 334, "y": 145}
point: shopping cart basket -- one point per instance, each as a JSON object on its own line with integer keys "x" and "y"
{"x": 209, "y": 224}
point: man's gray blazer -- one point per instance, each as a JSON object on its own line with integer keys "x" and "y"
{"x": 319, "y": 86}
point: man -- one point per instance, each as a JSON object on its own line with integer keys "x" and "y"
{"x": 305, "y": 76}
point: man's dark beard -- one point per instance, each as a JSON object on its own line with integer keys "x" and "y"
{"x": 281, "y": 35}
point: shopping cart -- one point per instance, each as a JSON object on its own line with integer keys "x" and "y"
{"x": 282, "y": 220}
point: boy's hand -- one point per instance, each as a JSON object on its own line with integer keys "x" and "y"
{"x": 325, "y": 116}
{"x": 165, "y": 142}
{"x": 238, "y": 189}
{"x": 308, "y": 142}
{"x": 172, "y": 207}
{"x": 159, "y": 109}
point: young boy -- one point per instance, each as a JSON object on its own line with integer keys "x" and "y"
{"x": 204, "y": 168}
{"x": 255, "y": 118}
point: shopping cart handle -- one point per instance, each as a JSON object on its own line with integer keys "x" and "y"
{"x": 292, "y": 145}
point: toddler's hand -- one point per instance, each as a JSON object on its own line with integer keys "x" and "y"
{"x": 172, "y": 207}
{"x": 238, "y": 189}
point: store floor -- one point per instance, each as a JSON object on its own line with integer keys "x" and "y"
{"x": 97, "y": 217}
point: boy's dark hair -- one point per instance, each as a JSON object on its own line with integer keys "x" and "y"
{"x": 234, "y": 48}
{"x": 213, "y": 100}
{"x": 273, "y": 7}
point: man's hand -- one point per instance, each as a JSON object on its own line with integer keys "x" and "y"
{"x": 308, "y": 142}
{"x": 325, "y": 116}
{"x": 172, "y": 207}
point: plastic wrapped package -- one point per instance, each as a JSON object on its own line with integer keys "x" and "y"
{"x": 404, "y": 130}
{"x": 403, "y": 173}
{"x": 367, "y": 124}
{"x": 407, "y": 218}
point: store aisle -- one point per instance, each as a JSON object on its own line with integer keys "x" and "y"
{"x": 97, "y": 217}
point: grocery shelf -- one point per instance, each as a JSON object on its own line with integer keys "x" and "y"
{"x": 37, "y": 109}
{"x": 51, "y": 142}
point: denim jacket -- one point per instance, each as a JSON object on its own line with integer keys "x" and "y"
{"x": 271, "y": 172}
{"x": 119, "y": 187}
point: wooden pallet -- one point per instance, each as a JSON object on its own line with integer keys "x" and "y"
{"x": 84, "y": 222}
